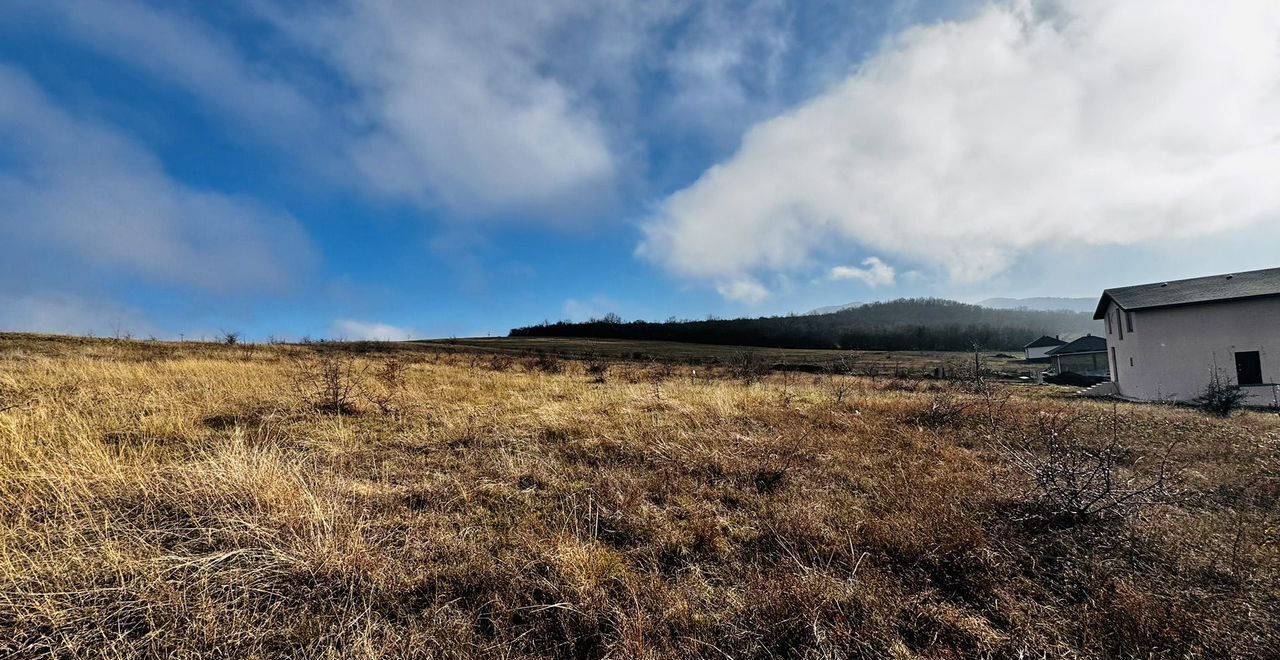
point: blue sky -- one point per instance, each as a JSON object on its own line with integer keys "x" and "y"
{"x": 396, "y": 168}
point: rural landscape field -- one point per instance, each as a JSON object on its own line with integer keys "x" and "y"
{"x": 676, "y": 329}
{"x": 430, "y": 500}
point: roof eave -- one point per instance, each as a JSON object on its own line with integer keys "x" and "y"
{"x": 1101, "y": 312}
{"x": 1193, "y": 303}
{"x": 1045, "y": 342}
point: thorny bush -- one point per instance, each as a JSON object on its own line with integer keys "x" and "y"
{"x": 1077, "y": 478}
{"x": 330, "y": 382}
{"x": 944, "y": 409}
{"x": 1220, "y": 397}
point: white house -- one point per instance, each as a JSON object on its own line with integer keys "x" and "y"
{"x": 1166, "y": 340}
{"x": 1038, "y": 350}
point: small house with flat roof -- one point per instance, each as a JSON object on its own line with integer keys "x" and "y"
{"x": 1086, "y": 356}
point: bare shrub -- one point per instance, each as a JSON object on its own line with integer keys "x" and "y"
{"x": 748, "y": 367}
{"x": 598, "y": 370}
{"x": 841, "y": 366}
{"x": 839, "y": 387}
{"x": 229, "y": 338}
{"x": 660, "y": 371}
{"x": 837, "y": 383}
{"x": 1220, "y": 397}
{"x": 786, "y": 395}
{"x": 330, "y": 382}
{"x": 898, "y": 384}
{"x": 943, "y": 410}
{"x": 977, "y": 370}
{"x": 501, "y": 362}
{"x": 388, "y": 394}
{"x": 993, "y": 399}
{"x": 547, "y": 364}
{"x": 1078, "y": 478}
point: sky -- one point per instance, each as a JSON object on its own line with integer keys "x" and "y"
{"x": 386, "y": 169}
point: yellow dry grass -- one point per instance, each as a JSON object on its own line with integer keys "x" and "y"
{"x": 163, "y": 500}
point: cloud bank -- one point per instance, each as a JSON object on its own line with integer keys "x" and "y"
{"x": 455, "y": 111}
{"x": 57, "y": 312}
{"x": 496, "y": 109}
{"x": 82, "y": 193}
{"x": 964, "y": 146}
{"x": 351, "y": 330}
{"x": 874, "y": 273}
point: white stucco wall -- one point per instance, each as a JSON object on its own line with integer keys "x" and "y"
{"x": 1171, "y": 352}
{"x": 1040, "y": 352}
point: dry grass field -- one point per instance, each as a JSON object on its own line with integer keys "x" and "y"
{"x": 879, "y": 362}
{"x": 191, "y": 500}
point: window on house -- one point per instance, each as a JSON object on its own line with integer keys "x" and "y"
{"x": 1131, "y": 362}
{"x": 1108, "y": 324}
{"x": 1115, "y": 371}
{"x": 1249, "y": 368}
{"x": 1119, "y": 324}
{"x": 1128, "y": 321}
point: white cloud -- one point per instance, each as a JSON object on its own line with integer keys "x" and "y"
{"x": 460, "y": 113}
{"x": 182, "y": 51}
{"x": 964, "y": 146}
{"x": 82, "y": 190}
{"x": 442, "y": 105}
{"x": 725, "y": 67}
{"x": 497, "y": 108}
{"x": 348, "y": 329}
{"x": 874, "y": 273}
{"x": 743, "y": 290}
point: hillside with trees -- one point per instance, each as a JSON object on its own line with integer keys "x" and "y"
{"x": 905, "y": 324}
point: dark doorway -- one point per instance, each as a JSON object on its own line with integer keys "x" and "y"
{"x": 1249, "y": 368}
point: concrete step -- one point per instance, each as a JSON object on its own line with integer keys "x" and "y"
{"x": 1103, "y": 389}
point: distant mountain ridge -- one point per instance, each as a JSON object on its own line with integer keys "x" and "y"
{"x": 1043, "y": 304}
{"x": 905, "y": 324}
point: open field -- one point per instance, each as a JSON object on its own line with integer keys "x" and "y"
{"x": 882, "y": 362}
{"x": 194, "y": 500}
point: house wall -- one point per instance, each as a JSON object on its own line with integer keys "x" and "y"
{"x": 1172, "y": 352}
{"x": 1038, "y": 353}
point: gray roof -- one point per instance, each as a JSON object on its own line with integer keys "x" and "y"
{"x": 1232, "y": 286}
{"x": 1045, "y": 341}
{"x": 1085, "y": 344}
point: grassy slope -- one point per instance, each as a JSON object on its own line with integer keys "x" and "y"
{"x": 182, "y": 500}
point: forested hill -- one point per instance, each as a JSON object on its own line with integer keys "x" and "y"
{"x": 906, "y": 324}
